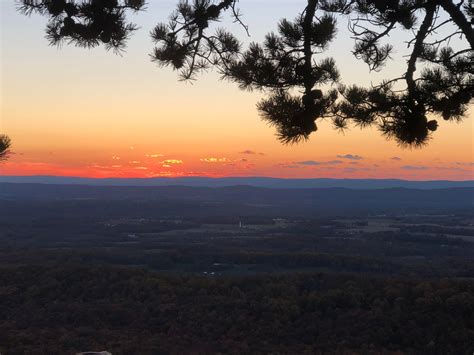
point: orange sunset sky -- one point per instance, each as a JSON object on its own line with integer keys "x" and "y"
{"x": 77, "y": 112}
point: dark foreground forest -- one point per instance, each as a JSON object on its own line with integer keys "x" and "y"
{"x": 238, "y": 270}
{"x": 62, "y": 310}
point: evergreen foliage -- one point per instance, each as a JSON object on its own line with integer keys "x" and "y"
{"x": 5, "y": 144}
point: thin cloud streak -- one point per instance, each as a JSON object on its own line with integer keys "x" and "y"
{"x": 251, "y": 152}
{"x": 350, "y": 157}
{"x": 213, "y": 160}
{"x": 318, "y": 163}
{"x": 413, "y": 167}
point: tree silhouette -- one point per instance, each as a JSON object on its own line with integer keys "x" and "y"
{"x": 5, "y": 144}
{"x": 302, "y": 85}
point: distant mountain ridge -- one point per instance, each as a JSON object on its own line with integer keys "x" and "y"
{"x": 51, "y": 201}
{"x": 265, "y": 182}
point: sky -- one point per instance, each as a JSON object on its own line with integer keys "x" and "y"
{"x": 91, "y": 113}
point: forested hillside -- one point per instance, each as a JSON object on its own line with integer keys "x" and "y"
{"x": 126, "y": 311}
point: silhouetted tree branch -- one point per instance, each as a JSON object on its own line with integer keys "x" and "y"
{"x": 5, "y": 144}
{"x": 301, "y": 86}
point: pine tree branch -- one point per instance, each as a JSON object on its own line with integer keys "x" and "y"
{"x": 308, "y": 52}
{"x": 460, "y": 20}
{"x": 418, "y": 48}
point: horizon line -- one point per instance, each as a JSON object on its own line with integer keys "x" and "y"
{"x": 223, "y": 177}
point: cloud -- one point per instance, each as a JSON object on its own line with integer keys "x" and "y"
{"x": 172, "y": 162}
{"x": 115, "y": 158}
{"x": 449, "y": 168}
{"x": 350, "y": 157}
{"x": 97, "y": 166}
{"x": 308, "y": 162}
{"x": 214, "y": 160}
{"x": 106, "y": 167}
{"x": 134, "y": 162}
{"x": 287, "y": 165}
{"x": 413, "y": 167}
{"x": 465, "y": 163}
{"x": 317, "y": 163}
{"x": 154, "y": 155}
{"x": 251, "y": 152}
{"x": 396, "y": 158}
{"x": 168, "y": 163}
